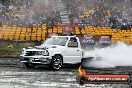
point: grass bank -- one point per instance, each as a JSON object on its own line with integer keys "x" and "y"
{"x": 13, "y": 49}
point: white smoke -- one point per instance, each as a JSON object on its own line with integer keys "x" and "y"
{"x": 115, "y": 55}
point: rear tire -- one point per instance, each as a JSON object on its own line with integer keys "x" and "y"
{"x": 56, "y": 62}
{"x": 29, "y": 65}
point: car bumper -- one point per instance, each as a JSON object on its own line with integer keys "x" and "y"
{"x": 36, "y": 59}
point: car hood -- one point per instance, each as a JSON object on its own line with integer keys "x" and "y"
{"x": 41, "y": 47}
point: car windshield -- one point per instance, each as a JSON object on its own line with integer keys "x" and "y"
{"x": 56, "y": 41}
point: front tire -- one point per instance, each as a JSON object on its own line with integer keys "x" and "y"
{"x": 56, "y": 62}
{"x": 29, "y": 65}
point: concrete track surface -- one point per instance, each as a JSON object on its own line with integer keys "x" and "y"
{"x": 17, "y": 76}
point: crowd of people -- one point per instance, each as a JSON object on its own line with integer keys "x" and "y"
{"x": 29, "y": 12}
{"x": 13, "y": 12}
{"x": 103, "y": 15}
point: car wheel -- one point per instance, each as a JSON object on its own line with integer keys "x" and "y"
{"x": 56, "y": 62}
{"x": 29, "y": 65}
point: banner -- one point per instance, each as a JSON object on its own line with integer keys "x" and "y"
{"x": 88, "y": 39}
{"x": 104, "y": 39}
{"x": 96, "y": 39}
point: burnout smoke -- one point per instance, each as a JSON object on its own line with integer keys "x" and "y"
{"x": 112, "y": 56}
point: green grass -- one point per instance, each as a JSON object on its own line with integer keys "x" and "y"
{"x": 13, "y": 49}
{"x": 10, "y": 48}
{"x": 13, "y": 46}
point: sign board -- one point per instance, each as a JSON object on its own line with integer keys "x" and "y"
{"x": 88, "y": 39}
{"x": 104, "y": 39}
{"x": 95, "y": 39}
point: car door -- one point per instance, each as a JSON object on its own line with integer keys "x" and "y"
{"x": 73, "y": 53}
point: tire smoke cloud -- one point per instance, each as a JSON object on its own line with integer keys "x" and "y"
{"x": 119, "y": 54}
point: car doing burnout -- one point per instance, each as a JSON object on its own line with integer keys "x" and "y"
{"x": 55, "y": 51}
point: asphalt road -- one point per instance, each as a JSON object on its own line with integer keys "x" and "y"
{"x": 17, "y": 76}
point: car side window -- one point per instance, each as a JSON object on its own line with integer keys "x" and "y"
{"x": 73, "y": 42}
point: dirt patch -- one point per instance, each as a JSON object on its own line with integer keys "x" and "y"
{"x": 9, "y": 54}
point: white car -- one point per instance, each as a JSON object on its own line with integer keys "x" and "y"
{"x": 55, "y": 51}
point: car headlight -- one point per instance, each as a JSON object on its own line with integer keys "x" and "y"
{"x": 38, "y": 53}
{"x": 45, "y": 53}
{"x": 22, "y": 51}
